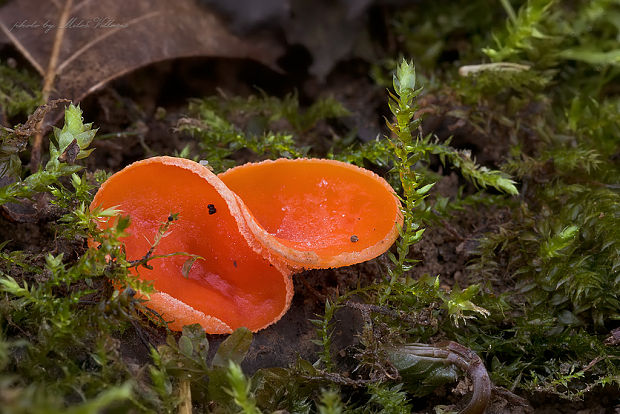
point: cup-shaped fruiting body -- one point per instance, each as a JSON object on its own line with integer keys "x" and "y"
{"x": 252, "y": 226}
{"x": 317, "y": 213}
{"x": 232, "y": 285}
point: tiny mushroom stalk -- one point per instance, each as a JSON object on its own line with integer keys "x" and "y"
{"x": 252, "y": 227}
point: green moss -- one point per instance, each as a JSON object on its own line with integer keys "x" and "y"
{"x": 544, "y": 283}
{"x": 19, "y": 92}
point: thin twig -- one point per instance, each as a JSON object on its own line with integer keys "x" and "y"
{"x": 161, "y": 233}
{"x": 337, "y": 379}
{"x": 185, "y": 395}
{"x": 48, "y": 83}
{"x": 592, "y": 363}
{"x": 312, "y": 290}
{"x": 512, "y": 398}
{"x": 22, "y": 49}
{"x": 147, "y": 344}
{"x": 403, "y": 316}
{"x": 50, "y": 73}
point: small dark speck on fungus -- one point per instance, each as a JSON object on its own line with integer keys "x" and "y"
{"x": 211, "y": 208}
{"x": 354, "y": 238}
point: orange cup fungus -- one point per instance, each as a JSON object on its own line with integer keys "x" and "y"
{"x": 254, "y": 226}
{"x": 316, "y": 213}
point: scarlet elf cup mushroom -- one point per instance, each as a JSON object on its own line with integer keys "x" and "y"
{"x": 254, "y": 226}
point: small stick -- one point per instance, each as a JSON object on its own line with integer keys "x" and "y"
{"x": 185, "y": 393}
{"x": 312, "y": 290}
{"x": 403, "y": 316}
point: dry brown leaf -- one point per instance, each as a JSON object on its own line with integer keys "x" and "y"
{"x": 105, "y": 39}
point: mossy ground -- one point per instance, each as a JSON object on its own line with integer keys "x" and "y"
{"x": 530, "y": 281}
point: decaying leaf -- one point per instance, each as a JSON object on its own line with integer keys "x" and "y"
{"x": 34, "y": 210}
{"x": 425, "y": 366}
{"x": 69, "y": 155}
{"x": 614, "y": 338}
{"x": 107, "y": 38}
{"x": 331, "y": 30}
